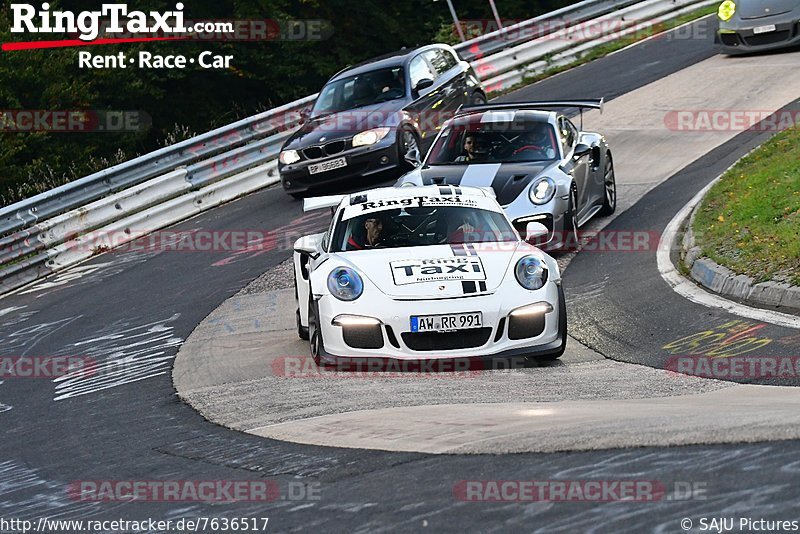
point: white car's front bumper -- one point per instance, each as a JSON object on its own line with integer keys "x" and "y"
{"x": 397, "y": 341}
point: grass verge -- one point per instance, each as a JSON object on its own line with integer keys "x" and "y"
{"x": 750, "y": 220}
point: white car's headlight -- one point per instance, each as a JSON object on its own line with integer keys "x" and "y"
{"x": 345, "y": 284}
{"x": 542, "y": 191}
{"x": 531, "y": 272}
{"x": 370, "y": 137}
{"x": 726, "y": 10}
{"x": 287, "y": 157}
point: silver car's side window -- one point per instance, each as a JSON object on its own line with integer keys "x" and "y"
{"x": 573, "y": 132}
{"x": 564, "y": 135}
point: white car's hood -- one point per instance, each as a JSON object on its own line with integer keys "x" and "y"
{"x": 438, "y": 271}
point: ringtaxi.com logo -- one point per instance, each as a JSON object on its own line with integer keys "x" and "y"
{"x": 87, "y": 23}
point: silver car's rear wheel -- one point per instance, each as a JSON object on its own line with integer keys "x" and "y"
{"x": 610, "y": 186}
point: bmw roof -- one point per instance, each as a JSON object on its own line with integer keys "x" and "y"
{"x": 392, "y": 59}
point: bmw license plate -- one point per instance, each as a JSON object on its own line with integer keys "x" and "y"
{"x": 329, "y": 165}
{"x": 764, "y": 29}
{"x": 451, "y": 321}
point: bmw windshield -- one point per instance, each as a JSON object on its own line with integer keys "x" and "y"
{"x": 361, "y": 90}
{"x": 466, "y": 143}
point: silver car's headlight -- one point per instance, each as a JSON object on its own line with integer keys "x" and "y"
{"x": 345, "y": 284}
{"x": 726, "y": 10}
{"x": 370, "y": 137}
{"x": 287, "y": 157}
{"x": 531, "y": 272}
{"x": 542, "y": 191}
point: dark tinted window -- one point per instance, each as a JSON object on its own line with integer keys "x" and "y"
{"x": 361, "y": 90}
{"x": 421, "y": 226}
{"x": 419, "y": 69}
{"x": 471, "y": 141}
{"x": 441, "y": 59}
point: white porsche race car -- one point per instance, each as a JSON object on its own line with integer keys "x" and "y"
{"x": 419, "y": 273}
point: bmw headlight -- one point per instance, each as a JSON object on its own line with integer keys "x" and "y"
{"x": 370, "y": 137}
{"x": 542, "y": 191}
{"x": 287, "y": 157}
{"x": 345, "y": 284}
{"x": 726, "y": 10}
{"x": 531, "y": 272}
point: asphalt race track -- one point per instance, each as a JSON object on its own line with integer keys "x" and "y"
{"x": 627, "y": 317}
{"x": 138, "y": 307}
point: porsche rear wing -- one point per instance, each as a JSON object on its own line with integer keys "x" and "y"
{"x": 317, "y": 203}
{"x": 594, "y": 103}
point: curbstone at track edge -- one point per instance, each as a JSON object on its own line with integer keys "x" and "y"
{"x": 727, "y": 283}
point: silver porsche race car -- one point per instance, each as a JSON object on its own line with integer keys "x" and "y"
{"x": 541, "y": 166}
{"x": 755, "y": 25}
{"x": 426, "y": 273}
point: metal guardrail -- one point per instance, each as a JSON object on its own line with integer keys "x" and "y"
{"x": 135, "y": 171}
{"x": 537, "y": 27}
{"x": 53, "y": 230}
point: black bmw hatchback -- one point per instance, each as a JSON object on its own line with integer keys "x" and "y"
{"x": 377, "y": 118}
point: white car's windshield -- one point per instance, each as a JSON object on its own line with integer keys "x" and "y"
{"x": 493, "y": 142}
{"x": 360, "y": 90}
{"x": 420, "y": 226}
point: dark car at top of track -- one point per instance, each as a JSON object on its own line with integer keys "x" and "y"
{"x": 756, "y": 25}
{"x": 541, "y": 167}
{"x": 375, "y": 119}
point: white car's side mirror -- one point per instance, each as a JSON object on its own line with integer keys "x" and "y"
{"x": 534, "y": 230}
{"x": 309, "y": 245}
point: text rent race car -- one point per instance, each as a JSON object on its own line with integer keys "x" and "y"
{"x": 426, "y": 273}
{"x": 541, "y": 167}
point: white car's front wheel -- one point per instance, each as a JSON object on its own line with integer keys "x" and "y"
{"x": 314, "y": 332}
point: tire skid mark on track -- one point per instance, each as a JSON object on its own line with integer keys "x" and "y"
{"x": 23, "y": 341}
{"x": 124, "y": 352}
{"x": 32, "y": 494}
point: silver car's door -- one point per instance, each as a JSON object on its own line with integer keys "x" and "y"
{"x": 577, "y": 165}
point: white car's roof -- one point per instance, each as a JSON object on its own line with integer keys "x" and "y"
{"x": 396, "y": 193}
{"x": 431, "y": 190}
{"x": 429, "y": 195}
